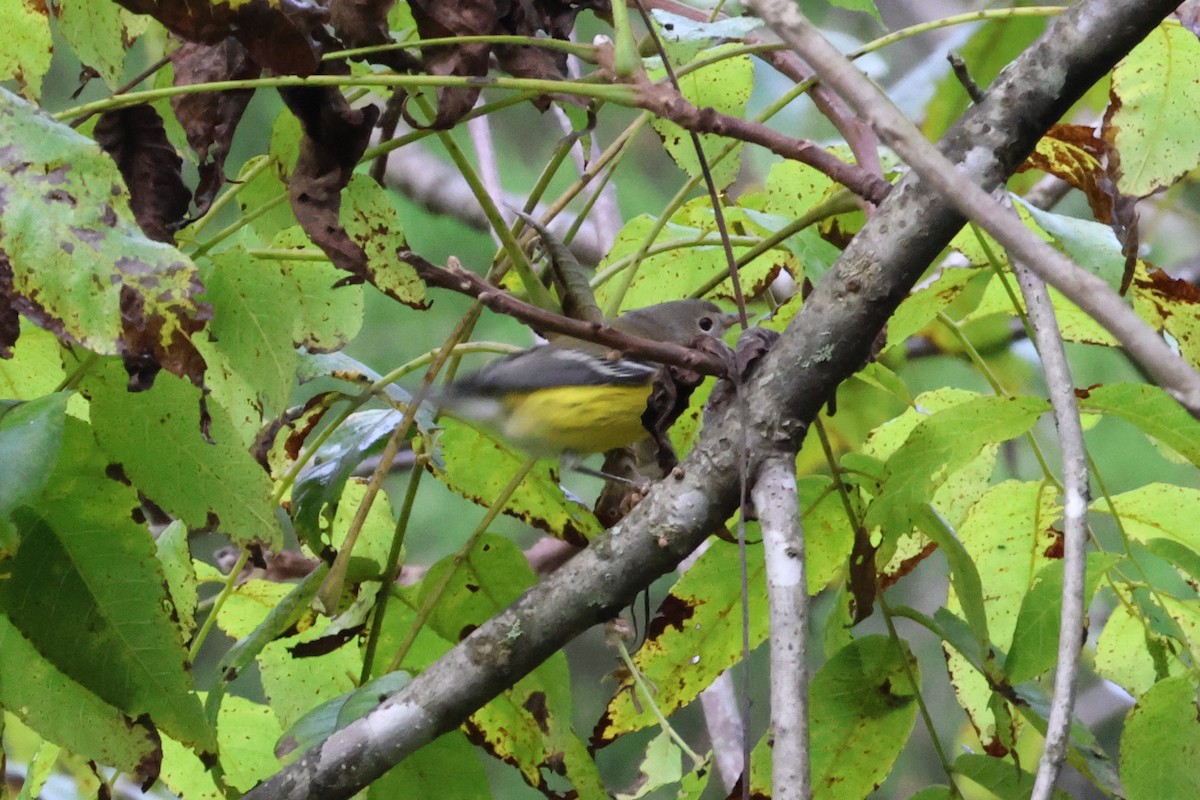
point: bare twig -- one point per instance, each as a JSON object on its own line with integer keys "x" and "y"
{"x": 1075, "y": 503}
{"x": 964, "y": 77}
{"x": 1087, "y": 291}
{"x": 787, "y": 594}
{"x": 457, "y": 279}
{"x": 664, "y": 101}
{"x": 723, "y": 718}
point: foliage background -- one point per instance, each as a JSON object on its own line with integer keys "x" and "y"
{"x": 270, "y": 696}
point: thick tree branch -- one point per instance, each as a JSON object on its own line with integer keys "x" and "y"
{"x": 823, "y": 344}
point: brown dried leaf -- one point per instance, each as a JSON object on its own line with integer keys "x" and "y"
{"x": 210, "y": 118}
{"x": 555, "y": 19}
{"x": 363, "y": 23}
{"x": 10, "y": 322}
{"x": 335, "y": 137}
{"x": 278, "y": 33}
{"x": 437, "y": 20}
{"x": 137, "y": 141}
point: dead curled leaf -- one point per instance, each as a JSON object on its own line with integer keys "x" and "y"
{"x": 488, "y": 17}
{"x": 137, "y": 142}
{"x": 279, "y": 34}
{"x": 210, "y": 119}
{"x": 335, "y": 137}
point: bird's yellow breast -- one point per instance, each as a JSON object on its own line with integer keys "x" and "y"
{"x": 582, "y": 419}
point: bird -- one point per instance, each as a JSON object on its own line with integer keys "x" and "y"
{"x": 573, "y": 398}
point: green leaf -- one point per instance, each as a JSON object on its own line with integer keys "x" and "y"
{"x": 325, "y": 719}
{"x": 247, "y": 732}
{"x": 1140, "y": 642}
{"x": 865, "y": 6}
{"x": 1156, "y": 510}
{"x": 661, "y": 766}
{"x": 725, "y": 87}
{"x": 286, "y": 615}
{"x": 176, "y": 560}
{"x": 478, "y": 468}
{"x": 964, "y": 577}
{"x": 694, "y": 637}
{"x": 97, "y": 36}
{"x": 265, "y": 188}
{"x": 828, "y": 535}
{"x": 686, "y": 256}
{"x": 320, "y": 484}
{"x": 156, "y": 437}
{"x": 185, "y": 775}
{"x": 30, "y": 436}
{"x": 676, "y": 28}
{"x": 861, "y": 709}
{"x": 28, "y": 46}
{"x": 248, "y": 344}
{"x": 940, "y": 444}
{"x": 1149, "y": 122}
{"x": 1004, "y": 779}
{"x": 66, "y": 713}
{"x": 1151, "y": 410}
{"x": 1160, "y": 742}
{"x": 529, "y": 726}
{"x": 919, "y": 309}
{"x": 87, "y": 589}
{"x": 1034, "y": 647}
{"x": 447, "y": 767}
{"x": 35, "y": 368}
{"x": 1007, "y": 536}
{"x": 1090, "y": 244}
{"x": 78, "y": 257}
{"x": 328, "y": 315}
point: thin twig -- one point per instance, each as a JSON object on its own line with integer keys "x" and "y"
{"x": 1061, "y": 389}
{"x": 778, "y": 510}
{"x": 460, "y": 280}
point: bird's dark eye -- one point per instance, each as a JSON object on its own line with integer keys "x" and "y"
{"x": 706, "y": 323}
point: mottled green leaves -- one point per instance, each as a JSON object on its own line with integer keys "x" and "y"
{"x": 724, "y": 86}
{"x": 479, "y": 468}
{"x": 80, "y": 265}
{"x": 87, "y": 590}
{"x": 156, "y": 437}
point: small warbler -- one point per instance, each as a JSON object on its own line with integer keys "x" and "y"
{"x": 570, "y": 396}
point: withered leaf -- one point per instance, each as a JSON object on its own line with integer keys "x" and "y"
{"x": 1075, "y": 154}
{"x": 436, "y": 20}
{"x": 10, "y": 323}
{"x": 137, "y": 141}
{"x": 363, "y": 23}
{"x": 554, "y": 18}
{"x": 210, "y": 118}
{"x": 335, "y": 137}
{"x": 280, "y": 34}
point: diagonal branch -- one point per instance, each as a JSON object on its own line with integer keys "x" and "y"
{"x": 1087, "y": 291}
{"x": 825, "y": 343}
